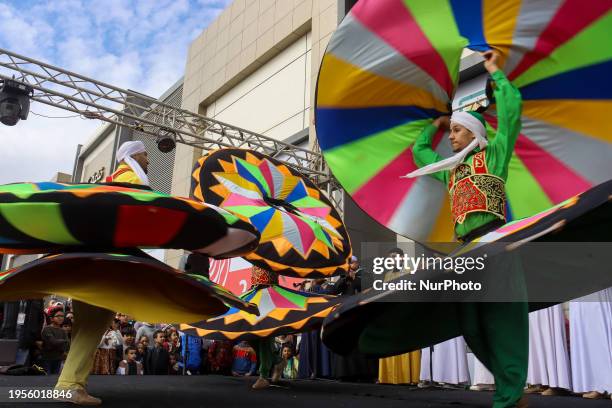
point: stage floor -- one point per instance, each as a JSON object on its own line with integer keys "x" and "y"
{"x": 217, "y": 391}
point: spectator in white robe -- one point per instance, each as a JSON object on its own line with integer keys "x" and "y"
{"x": 591, "y": 344}
{"x": 549, "y": 365}
{"x": 483, "y": 379}
{"x": 449, "y": 363}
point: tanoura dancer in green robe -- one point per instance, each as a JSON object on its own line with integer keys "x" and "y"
{"x": 497, "y": 333}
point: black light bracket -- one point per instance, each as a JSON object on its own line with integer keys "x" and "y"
{"x": 14, "y": 101}
{"x": 166, "y": 140}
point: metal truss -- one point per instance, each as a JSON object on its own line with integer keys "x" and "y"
{"x": 98, "y": 100}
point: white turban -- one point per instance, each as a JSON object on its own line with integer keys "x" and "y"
{"x": 125, "y": 153}
{"x": 471, "y": 123}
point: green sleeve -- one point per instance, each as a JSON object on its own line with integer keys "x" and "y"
{"x": 508, "y": 105}
{"x": 423, "y": 153}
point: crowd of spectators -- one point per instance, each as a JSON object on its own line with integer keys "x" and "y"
{"x": 129, "y": 347}
{"x": 162, "y": 350}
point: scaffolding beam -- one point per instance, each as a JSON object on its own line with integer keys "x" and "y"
{"x": 94, "y": 99}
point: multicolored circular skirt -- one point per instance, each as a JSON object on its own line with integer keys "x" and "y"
{"x": 50, "y": 217}
{"x": 138, "y": 285}
{"x": 281, "y": 311}
{"x": 393, "y": 65}
{"x": 574, "y": 264}
{"x": 302, "y": 234}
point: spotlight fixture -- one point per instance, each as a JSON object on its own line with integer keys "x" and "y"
{"x": 14, "y": 101}
{"x": 166, "y": 140}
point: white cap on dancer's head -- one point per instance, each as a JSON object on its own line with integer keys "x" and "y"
{"x": 473, "y": 122}
{"x": 125, "y": 153}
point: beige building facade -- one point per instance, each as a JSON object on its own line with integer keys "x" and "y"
{"x": 254, "y": 67}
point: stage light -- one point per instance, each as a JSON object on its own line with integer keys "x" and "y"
{"x": 14, "y": 101}
{"x": 166, "y": 140}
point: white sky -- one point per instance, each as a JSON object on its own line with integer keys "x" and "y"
{"x": 136, "y": 44}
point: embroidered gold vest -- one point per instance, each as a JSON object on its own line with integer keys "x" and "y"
{"x": 473, "y": 189}
{"x": 260, "y": 276}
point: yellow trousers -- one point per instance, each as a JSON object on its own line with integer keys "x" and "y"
{"x": 402, "y": 369}
{"x": 89, "y": 327}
